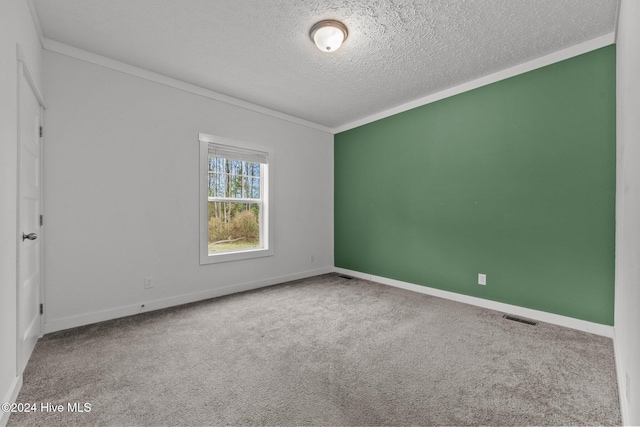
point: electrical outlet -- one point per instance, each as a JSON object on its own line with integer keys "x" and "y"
{"x": 482, "y": 279}
{"x": 312, "y": 258}
{"x": 148, "y": 282}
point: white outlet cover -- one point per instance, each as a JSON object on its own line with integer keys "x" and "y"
{"x": 482, "y": 279}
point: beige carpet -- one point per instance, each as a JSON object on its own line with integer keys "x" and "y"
{"x": 322, "y": 351}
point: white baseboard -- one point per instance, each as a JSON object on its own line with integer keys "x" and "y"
{"x": 542, "y": 316}
{"x": 128, "y": 310}
{"x": 10, "y": 398}
{"x": 622, "y": 386}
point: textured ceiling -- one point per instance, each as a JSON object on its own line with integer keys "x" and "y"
{"x": 259, "y": 50}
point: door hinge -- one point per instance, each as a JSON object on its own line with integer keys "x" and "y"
{"x": 41, "y": 220}
{"x": 40, "y": 131}
{"x": 41, "y": 309}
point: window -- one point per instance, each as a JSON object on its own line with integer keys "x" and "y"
{"x": 234, "y": 200}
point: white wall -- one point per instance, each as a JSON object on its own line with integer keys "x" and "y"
{"x": 121, "y": 198}
{"x": 627, "y": 301}
{"x": 16, "y": 27}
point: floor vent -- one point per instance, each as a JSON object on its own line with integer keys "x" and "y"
{"x": 520, "y": 319}
{"x": 345, "y": 277}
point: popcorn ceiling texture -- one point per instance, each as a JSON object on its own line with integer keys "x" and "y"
{"x": 260, "y": 51}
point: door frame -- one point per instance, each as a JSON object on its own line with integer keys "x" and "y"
{"x": 23, "y": 69}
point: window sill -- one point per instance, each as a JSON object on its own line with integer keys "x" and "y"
{"x": 235, "y": 256}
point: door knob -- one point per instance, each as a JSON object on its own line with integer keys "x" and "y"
{"x": 30, "y": 236}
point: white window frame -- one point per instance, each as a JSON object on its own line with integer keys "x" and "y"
{"x": 266, "y": 211}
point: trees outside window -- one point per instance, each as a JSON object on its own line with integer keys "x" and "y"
{"x": 236, "y": 187}
{"x": 235, "y": 201}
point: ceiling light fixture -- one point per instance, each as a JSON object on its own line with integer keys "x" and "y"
{"x": 328, "y": 35}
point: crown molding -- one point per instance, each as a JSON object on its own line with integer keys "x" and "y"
{"x": 36, "y": 21}
{"x": 540, "y": 62}
{"x": 561, "y": 55}
{"x": 93, "y": 58}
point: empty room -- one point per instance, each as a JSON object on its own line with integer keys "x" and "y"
{"x": 292, "y": 212}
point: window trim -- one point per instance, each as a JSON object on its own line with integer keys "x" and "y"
{"x": 267, "y": 234}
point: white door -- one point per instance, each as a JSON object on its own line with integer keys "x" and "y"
{"x": 29, "y": 210}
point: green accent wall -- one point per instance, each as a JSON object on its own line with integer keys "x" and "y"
{"x": 515, "y": 180}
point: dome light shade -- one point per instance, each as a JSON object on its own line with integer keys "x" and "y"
{"x": 328, "y": 35}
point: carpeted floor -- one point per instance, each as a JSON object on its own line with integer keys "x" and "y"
{"x": 322, "y": 351}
